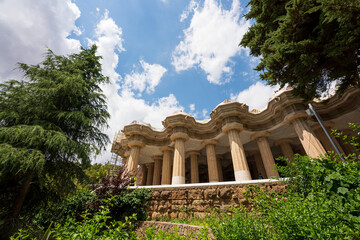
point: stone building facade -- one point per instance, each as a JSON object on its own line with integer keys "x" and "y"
{"x": 235, "y": 144}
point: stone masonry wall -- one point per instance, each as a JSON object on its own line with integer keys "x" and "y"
{"x": 180, "y": 202}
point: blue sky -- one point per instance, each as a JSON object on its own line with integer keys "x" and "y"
{"x": 161, "y": 56}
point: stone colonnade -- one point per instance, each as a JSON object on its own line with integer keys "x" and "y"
{"x": 166, "y": 170}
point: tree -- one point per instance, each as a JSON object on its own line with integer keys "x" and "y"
{"x": 50, "y": 126}
{"x": 307, "y": 44}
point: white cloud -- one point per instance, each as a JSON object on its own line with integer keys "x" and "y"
{"x": 204, "y": 113}
{"x": 192, "y": 107}
{"x": 193, "y": 5}
{"x": 27, "y": 28}
{"x": 211, "y": 40}
{"x": 256, "y": 96}
{"x": 123, "y": 106}
{"x": 149, "y": 78}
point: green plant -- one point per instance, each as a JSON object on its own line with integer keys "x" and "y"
{"x": 97, "y": 226}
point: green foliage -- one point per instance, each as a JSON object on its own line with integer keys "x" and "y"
{"x": 73, "y": 206}
{"x": 96, "y": 172}
{"x": 322, "y": 201}
{"x": 97, "y": 226}
{"x": 130, "y": 202}
{"x": 50, "y": 125}
{"x": 306, "y": 44}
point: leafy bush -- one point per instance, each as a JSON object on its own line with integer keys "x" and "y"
{"x": 73, "y": 206}
{"x": 131, "y": 202}
{"x": 97, "y": 226}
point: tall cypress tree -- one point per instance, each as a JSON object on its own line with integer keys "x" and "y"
{"x": 50, "y": 126}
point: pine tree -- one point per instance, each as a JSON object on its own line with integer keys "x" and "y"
{"x": 50, "y": 126}
{"x": 306, "y": 43}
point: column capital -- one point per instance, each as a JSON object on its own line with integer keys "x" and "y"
{"x": 258, "y": 135}
{"x": 232, "y": 126}
{"x": 157, "y": 157}
{"x": 149, "y": 164}
{"x": 209, "y": 142}
{"x": 166, "y": 148}
{"x": 328, "y": 124}
{"x": 127, "y": 154}
{"x": 295, "y": 115}
{"x": 179, "y": 135}
{"x": 136, "y": 143}
{"x": 197, "y": 153}
{"x": 283, "y": 140}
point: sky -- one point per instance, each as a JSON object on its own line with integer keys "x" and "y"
{"x": 161, "y": 56}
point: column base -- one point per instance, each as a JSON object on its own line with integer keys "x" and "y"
{"x": 177, "y": 180}
{"x": 242, "y": 175}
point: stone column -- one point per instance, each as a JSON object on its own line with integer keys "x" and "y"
{"x": 310, "y": 142}
{"x": 324, "y": 139}
{"x": 219, "y": 159}
{"x": 211, "y": 160}
{"x": 285, "y": 145}
{"x": 126, "y": 157}
{"x": 166, "y": 166}
{"x": 241, "y": 168}
{"x": 259, "y": 164}
{"x": 265, "y": 152}
{"x": 144, "y": 176}
{"x": 133, "y": 160}
{"x": 157, "y": 170}
{"x": 150, "y": 172}
{"x": 178, "y": 176}
{"x": 194, "y": 162}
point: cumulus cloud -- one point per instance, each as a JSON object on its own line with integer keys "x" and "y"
{"x": 28, "y": 28}
{"x": 193, "y": 5}
{"x": 256, "y": 96}
{"x": 124, "y": 106}
{"x": 211, "y": 40}
{"x": 149, "y": 78}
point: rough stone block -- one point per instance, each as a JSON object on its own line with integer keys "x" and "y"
{"x": 179, "y": 194}
{"x": 155, "y": 216}
{"x": 200, "y": 215}
{"x": 195, "y": 194}
{"x": 210, "y": 193}
{"x": 182, "y": 215}
{"x": 155, "y": 194}
{"x": 165, "y": 194}
{"x": 173, "y": 215}
{"x": 225, "y": 193}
